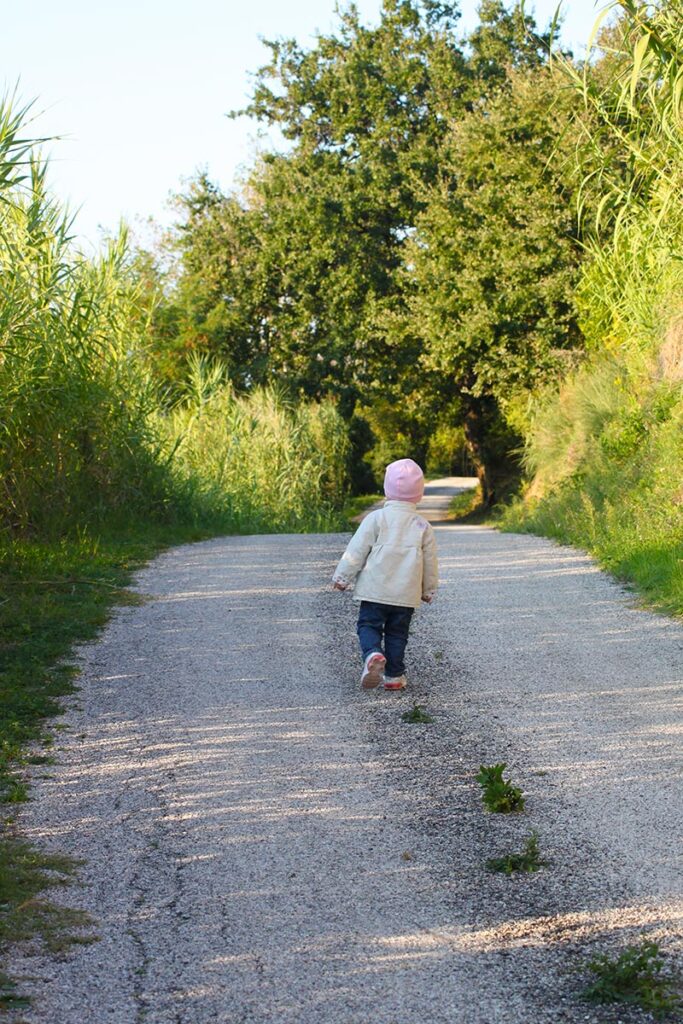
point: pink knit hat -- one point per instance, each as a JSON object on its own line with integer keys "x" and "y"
{"x": 404, "y": 481}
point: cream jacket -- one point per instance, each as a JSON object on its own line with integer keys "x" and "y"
{"x": 391, "y": 558}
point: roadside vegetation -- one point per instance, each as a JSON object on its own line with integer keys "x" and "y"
{"x": 529, "y": 860}
{"x": 498, "y": 794}
{"x": 386, "y": 257}
{"x": 604, "y": 448}
{"x": 470, "y": 245}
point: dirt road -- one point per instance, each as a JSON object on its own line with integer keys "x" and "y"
{"x": 265, "y": 842}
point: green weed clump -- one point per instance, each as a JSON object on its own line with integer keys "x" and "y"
{"x": 417, "y": 714}
{"x": 634, "y": 977}
{"x": 528, "y": 860}
{"x": 498, "y": 795}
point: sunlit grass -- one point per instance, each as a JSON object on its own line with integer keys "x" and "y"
{"x": 604, "y": 452}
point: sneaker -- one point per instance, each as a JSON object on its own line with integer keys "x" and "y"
{"x": 373, "y": 671}
{"x": 395, "y": 682}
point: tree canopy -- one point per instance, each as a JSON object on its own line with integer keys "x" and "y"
{"x": 408, "y": 250}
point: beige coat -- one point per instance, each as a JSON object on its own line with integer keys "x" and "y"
{"x": 391, "y": 558}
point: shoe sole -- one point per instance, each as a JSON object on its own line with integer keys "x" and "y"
{"x": 394, "y": 686}
{"x": 372, "y": 677}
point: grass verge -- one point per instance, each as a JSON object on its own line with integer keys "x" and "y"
{"x": 52, "y": 597}
{"x": 640, "y": 543}
{"x": 355, "y": 506}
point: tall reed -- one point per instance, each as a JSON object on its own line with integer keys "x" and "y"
{"x": 605, "y": 451}
{"x": 84, "y": 435}
{"x": 75, "y": 397}
{"x": 256, "y": 461}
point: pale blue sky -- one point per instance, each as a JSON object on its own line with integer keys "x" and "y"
{"x": 140, "y": 88}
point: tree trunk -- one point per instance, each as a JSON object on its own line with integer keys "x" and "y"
{"x": 490, "y": 443}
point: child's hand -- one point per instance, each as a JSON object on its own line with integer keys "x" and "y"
{"x": 338, "y": 586}
{"x": 426, "y": 599}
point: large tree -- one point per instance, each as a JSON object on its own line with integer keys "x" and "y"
{"x": 290, "y": 278}
{"x": 494, "y": 261}
{"x": 365, "y": 110}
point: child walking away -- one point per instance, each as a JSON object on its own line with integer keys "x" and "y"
{"x": 391, "y": 564}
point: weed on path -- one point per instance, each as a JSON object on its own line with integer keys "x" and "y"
{"x": 528, "y": 860}
{"x": 499, "y": 795}
{"x": 637, "y": 976}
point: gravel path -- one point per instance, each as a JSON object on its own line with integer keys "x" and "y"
{"x": 265, "y": 842}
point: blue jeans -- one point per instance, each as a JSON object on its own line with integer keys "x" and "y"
{"x": 384, "y": 628}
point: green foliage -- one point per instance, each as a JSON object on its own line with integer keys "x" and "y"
{"x": 75, "y": 437}
{"x": 635, "y": 146}
{"x": 528, "y": 860}
{"x": 634, "y": 977}
{"x": 466, "y": 505}
{"x": 502, "y": 239}
{"x": 605, "y": 450}
{"x": 357, "y": 504}
{"x": 503, "y": 40}
{"x": 15, "y": 149}
{"x": 84, "y": 434}
{"x": 308, "y": 275}
{"x": 621, "y": 438}
{"x": 498, "y": 795}
{"x": 417, "y": 715}
{"x": 494, "y": 260}
{"x": 447, "y": 452}
{"x": 606, "y": 455}
{"x": 287, "y": 280}
{"x": 257, "y": 463}
{"x": 75, "y": 396}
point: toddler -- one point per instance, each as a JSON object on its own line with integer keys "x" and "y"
{"x": 391, "y": 564}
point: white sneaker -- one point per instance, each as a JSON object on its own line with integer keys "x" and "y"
{"x": 395, "y": 682}
{"x": 373, "y": 670}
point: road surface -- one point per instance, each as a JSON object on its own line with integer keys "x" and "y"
{"x": 266, "y": 843}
